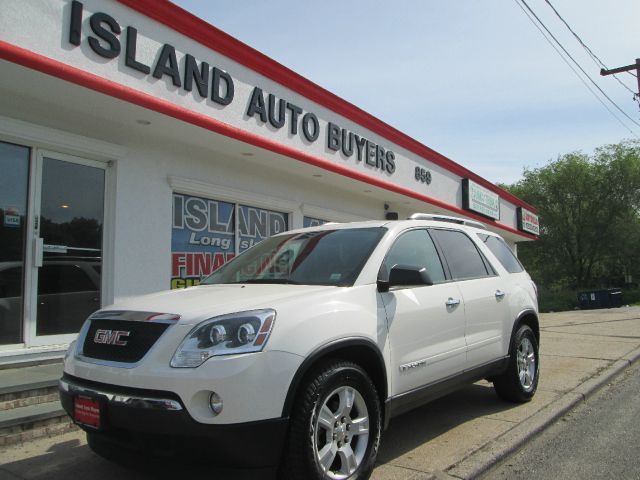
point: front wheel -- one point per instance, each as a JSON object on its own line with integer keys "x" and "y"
{"x": 520, "y": 381}
{"x": 335, "y": 426}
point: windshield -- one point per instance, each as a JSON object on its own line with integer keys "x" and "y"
{"x": 328, "y": 257}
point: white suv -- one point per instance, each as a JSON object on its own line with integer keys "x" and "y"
{"x": 300, "y": 350}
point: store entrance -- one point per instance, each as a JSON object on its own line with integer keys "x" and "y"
{"x": 51, "y": 278}
{"x": 14, "y": 183}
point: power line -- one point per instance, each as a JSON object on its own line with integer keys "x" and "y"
{"x": 577, "y": 64}
{"x": 573, "y": 69}
{"x": 593, "y": 56}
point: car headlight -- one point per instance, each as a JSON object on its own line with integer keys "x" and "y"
{"x": 242, "y": 332}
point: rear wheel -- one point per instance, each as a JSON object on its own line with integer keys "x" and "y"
{"x": 520, "y": 381}
{"x": 335, "y": 426}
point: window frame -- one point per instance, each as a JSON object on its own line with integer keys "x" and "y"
{"x": 445, "y": 268}
{"x": 504, "y": 243}
{"x": 491, "y": 271}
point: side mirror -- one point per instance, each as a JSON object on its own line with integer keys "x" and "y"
{"x": 404, "y": 275}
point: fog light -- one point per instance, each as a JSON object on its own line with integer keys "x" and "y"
{"x": 215, "y": 403}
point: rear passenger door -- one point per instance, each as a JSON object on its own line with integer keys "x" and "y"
{"x": 484, "y": 294}
{"x": 426, "y": 323}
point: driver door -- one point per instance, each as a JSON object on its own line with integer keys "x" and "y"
{"x": 426, "y": 323}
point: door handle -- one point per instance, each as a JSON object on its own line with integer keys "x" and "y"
{"x": 38, "y": 251}
{"x": 500, "y": 294}
{"x": 452, "y": 302}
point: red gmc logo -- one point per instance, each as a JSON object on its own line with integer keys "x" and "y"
{"x": 111, "y": 337}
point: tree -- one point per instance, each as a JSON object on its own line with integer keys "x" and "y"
{"x": 589, "y": 213}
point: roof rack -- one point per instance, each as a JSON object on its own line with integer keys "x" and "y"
{"x": 447, "y": 218}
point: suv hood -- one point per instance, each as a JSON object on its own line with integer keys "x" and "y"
{"x": 205, "y": 301}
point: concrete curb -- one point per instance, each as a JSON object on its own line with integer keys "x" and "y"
{"x": 498, "y": 449}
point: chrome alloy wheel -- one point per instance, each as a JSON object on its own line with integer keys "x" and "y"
{"x": 526, "y": 358}
{"x": 341, "y": 432}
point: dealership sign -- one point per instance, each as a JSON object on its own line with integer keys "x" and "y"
{"x": 108, "y": 39}
{"x": 480, "y": 200}
{"x": 528, "y": 221}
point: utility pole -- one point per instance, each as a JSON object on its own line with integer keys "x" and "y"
{"x": 633, "y": 66}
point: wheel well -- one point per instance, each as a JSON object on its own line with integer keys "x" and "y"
{"x": 530, "y": 319}
{"x": 362, "y": 352}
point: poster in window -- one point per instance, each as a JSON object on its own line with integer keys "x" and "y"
{"x": 256, "y": 224}
{"x": 202, "y": 238}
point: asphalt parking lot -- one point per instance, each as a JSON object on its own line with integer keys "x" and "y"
{"x": 458, "y": 436}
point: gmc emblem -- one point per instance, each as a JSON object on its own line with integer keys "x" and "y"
{"x": 111, "y": 337}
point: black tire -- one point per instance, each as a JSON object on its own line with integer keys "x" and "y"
{"x": 516, "y": 383}
{"x": 324, "y": 389}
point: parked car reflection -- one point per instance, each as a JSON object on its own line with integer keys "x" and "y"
{"x": 68, "y": 292}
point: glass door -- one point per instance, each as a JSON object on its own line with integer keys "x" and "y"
{"x": 14, "y": 183}
{"x": 68, "y": 237}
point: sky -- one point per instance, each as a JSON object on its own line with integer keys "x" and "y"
{"x": 474, "y": 80}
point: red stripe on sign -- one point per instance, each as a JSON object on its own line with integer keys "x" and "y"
{"x": 74, "y": 75}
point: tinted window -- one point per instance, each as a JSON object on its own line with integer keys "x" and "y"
{"x": 53, "y": 279}
{"x": 415, "y": 248}
{"x": 327, "y": 257}
{"x": 502, "y": 252}
{"x": 462, "y": 256}
{"x": 11, "y": 282}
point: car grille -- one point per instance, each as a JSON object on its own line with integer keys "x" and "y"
{"x": 136, "y": 338}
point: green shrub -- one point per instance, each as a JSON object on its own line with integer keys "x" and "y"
{"x": 557, "y": 301}
{"x": 563, "y": 300}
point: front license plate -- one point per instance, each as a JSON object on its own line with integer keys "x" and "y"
{"x": 86, "y": 411}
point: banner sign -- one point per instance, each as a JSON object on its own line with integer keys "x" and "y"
{"x": 256, "y": 224}
{"x": 528, "y": 221}
{"x": 480, "y": 200}
{"x": 204, "y": 236}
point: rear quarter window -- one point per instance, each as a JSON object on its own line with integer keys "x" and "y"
{"x": 502, "y": 252}
{"x": 461, "y": 254}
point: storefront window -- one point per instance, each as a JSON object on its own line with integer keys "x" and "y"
{"x": 256, "y": 224}
{"x": 14, "y": 176}
{"x": 312, "y": 222}
{"x": 206, "y": 235}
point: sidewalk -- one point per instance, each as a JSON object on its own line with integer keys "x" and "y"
{"x": 458, "y": 436}
{"x": 462, "y": 434}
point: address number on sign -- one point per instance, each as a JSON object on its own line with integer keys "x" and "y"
{"x": 422, "y": 175}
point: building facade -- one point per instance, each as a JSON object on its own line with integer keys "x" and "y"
{"x": 141, "y": 148}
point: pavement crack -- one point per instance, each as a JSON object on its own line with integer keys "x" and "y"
{"x": 593, "y": 323}
{"x": 631, "y": 337}
{"x": 582, "y": 358}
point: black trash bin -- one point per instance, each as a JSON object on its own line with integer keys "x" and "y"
{"x": 615, "y": 297}
{"x": 606, "y": 298}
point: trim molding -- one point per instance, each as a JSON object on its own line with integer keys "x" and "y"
{"x": 328, "y": 214}
{"x": 74, "y": 75}
{"x": 232, "y": 195}
{"x": 58, "y": 140}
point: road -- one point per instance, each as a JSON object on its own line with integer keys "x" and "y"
{"x": 600, "y": 439}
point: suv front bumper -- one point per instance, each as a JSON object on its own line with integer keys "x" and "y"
{"x": 157, "y": 422}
